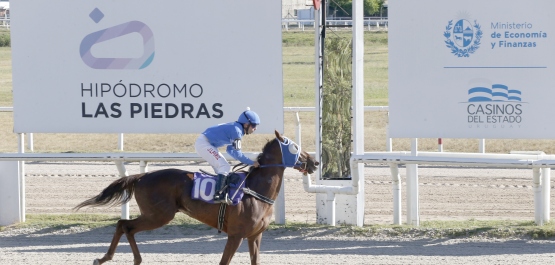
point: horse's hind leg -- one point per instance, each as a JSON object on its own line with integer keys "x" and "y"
{"x": 113, "y": 245}
{"x": 130, "y": 228}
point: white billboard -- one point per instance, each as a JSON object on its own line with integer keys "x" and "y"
{"x": 482, "y": 69}
{"x": 137, "y": 66}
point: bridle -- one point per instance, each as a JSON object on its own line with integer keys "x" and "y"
{"x": 292, "y": 159}
{"x": 301, "y": 169}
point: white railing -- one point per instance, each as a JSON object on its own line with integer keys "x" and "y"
{"x": 369, "y": 24}
{"x": 539, "y": 162}
{"x": 287, "y": 23}
{"x": 5, "y": 22}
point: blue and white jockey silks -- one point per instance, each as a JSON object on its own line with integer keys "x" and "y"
{"x": 227, "y": 134}
{"x": 204, "y": 187}
{"x": 211, "y": 139}
{"x": 290, "y": 152}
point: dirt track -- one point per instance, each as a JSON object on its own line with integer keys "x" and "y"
{"x": 445, "y": 194}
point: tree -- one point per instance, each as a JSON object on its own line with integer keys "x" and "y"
{"x": 344, "y": 8}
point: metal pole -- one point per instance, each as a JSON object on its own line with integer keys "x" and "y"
{"x": 358, "y": 101}
{"x": 21, "y": 149}
{"x": 388, "y": 141}
{"x": 439, "y": 145}
{"x": 120, "y": 142}
{"x": 30, "y": 142}
{"x": 319, "y": 34}
{"x": 298, "y": 133}
{"x": 482, "y": 146}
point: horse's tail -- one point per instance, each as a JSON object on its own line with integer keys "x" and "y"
{"x": 117, "y": 193}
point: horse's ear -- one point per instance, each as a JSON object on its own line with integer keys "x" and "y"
{"x": 278, "y": 135}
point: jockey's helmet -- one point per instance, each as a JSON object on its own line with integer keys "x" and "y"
{"x": 249, "y": 116}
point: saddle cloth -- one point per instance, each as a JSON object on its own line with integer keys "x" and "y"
{"x": 204, "y": 187}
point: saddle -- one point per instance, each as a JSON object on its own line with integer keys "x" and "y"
{"x": 204, "y": 186}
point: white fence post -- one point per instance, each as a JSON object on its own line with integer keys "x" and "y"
{"x": 279, "y": 207}
{"x": 538, "y": 216}
{"x": 546, "y": 188}
{"x": 123, "y": 173}
{"x": 396, "y": 183}
{"x": 413, "y": 215}
{"x": 21, "y": 177}
{"x": 143, "y": 165}
{"x": 10, "y": 207}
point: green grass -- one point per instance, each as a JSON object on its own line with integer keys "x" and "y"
{"x": 63, "y": 221}
{"x": 447, "y": 229}
{"x": 299, "y": 67}
{"x": 428, "y": 229}
{"x": 90, "y": 221}
{"x": 6, "y": 97}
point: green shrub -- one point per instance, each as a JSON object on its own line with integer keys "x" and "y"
{"x": 5, "y": 40}
{"x": 336, "y": 108}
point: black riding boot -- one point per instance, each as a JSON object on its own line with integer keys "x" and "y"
{"x": 220, "y": 195}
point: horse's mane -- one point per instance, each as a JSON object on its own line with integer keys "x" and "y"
{"x": 265, "y": 149}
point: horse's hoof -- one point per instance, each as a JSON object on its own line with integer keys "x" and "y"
{"x": 96, "y": 262}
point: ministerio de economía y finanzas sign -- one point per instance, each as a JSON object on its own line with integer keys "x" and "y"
{"x": 134, "y": 66}
{"x": 472, "y": 69}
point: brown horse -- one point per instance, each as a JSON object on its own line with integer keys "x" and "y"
{"x": 161, "y": 194}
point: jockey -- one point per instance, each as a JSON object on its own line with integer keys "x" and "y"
{"x": 229, "y": 134}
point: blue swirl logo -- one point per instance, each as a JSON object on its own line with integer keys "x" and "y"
{"x": 114, "y": 32}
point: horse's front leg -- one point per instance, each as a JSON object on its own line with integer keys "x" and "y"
{"x": 233, "y": 243}
{"x": 254, "y": 248}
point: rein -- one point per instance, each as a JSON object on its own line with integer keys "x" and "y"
{"x": 290, "y": 156}
{"x": 252, "y": 192}
{"x": 258, "y": 196}
{"x": 281, "y": 165}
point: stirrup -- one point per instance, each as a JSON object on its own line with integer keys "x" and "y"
{"x": 226, "y": 199}
{"x": 218, "y": 198}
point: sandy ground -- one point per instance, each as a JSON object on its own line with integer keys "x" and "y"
{"x": 446, "y": 193}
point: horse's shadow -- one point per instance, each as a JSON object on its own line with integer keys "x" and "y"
{"x": 201, "y": 240}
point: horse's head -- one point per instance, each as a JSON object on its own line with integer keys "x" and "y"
{"x": 301, "y": 160}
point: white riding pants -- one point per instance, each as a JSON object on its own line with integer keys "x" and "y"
{"x": 212, "y": 155}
